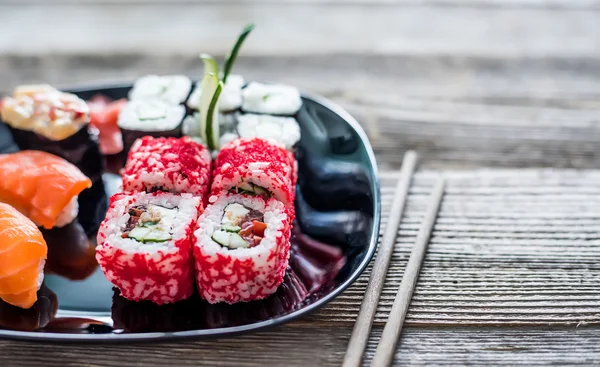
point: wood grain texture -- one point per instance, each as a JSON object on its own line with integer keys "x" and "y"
{"x": 493, "y": 289}
{"x": 456, "y": 111}
{"x": 507, "y": 249}
{"x": 385, "y": 29}
{"x": 477, "y": 87}
{"x": 295, "y": 346}
{"x": 385, "y": 249}
{"x": 384, "y": 353}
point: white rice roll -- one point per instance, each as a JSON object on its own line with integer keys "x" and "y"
{"x": 171, "y": 89}
{"x": 240, "y": 274}
{"x": 153, "y": 263}
{"x": 283, "y": 130}
{"x": 150, "y": 115}
{"x": 230, "y": 98}
{"x": 274, "y": 99}
{"x": 69, "y": 213}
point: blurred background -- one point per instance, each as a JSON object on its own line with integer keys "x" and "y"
{"x": 407, "y": 69}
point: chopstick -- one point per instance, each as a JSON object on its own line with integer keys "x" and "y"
{"x": 362, "y": 327}
{"x": 391, "y": 332}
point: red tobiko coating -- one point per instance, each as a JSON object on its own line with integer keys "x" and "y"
{"x": 169, "y": 164}
{"x": 255, "y": 160}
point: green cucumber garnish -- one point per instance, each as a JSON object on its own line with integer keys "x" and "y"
{"x": 212, "y": 119}
{"x": 208, "y": 87}
{"x": 230, "y": 59}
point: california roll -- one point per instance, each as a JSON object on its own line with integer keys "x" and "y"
{"x": 144, "y": 245}
{"x": 241, "y": 248}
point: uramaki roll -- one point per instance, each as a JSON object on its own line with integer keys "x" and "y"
{"x": 177, "y": 165}
{"x": 242, "y": 248}
{"x": 144, "y": 245}
{"x": 256, "y": 167}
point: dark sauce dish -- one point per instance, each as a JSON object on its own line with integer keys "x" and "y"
{"x": 338, "y": 208}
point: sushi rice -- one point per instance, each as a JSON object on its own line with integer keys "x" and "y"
{"x": 230, "y": 98}
{"x": 69, "y": 213}
{"x": 150, "y": 115}
{"x": 171, "y": 89}
{"x": 273, "y": 99}
{"x": 154, "y": 269}
{"x": 233, "y": 275}
{"x": 283, "y": 130}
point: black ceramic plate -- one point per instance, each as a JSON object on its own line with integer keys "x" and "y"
{"x": 338, "y": 214}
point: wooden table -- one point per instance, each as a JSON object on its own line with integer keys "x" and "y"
{"x": 501, "y": 96}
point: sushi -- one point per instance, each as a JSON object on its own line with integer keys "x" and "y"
{"x": 168, "y": 164}
{"x": 171, "y": 89}
{"x": 229, "y": 100}
{"x": 45, "y": 111}
{"x": 42, "y": 186}
{"x": 149, "y": 117}
{"x": 255, "y": 167}
{"x": 144, "y": 245}
{"x": 283, "y": 130}
{"x": 22, "y": 257}
{"x": 43, "y": 118}
{"x": 241, "y": 248}
{"x": 273, "y": 99}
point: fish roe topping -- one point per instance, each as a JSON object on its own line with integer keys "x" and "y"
{"x": 177, "y": 165}
{"x": 256, "y": 167}
{"x": 245, "y": 151}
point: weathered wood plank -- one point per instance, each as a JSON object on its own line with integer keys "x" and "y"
{"x": 295, "y": 345}
{"x": 475, "y": 111}
{"x": 514, "y": 282}
{"x": 504, "y": 272}
{"x": 554, "y": 4}
{"x": 163, "y": 29}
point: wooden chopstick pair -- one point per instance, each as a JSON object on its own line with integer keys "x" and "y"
{"x": 391, "y": 332}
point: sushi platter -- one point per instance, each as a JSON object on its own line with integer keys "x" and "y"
{"x": 172, "y": 209}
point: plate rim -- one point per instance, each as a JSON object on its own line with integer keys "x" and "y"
{"x": 233, "y": 330}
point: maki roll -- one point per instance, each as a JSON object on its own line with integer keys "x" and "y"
{"x": 229, "y": 100}
{"x": 44, "y": 118}
{"x": 283, "y": 130}
{"x": 273, "y": 99}
{"x": 168, "y": 164}
{"x": 144, "y": 245}
{"x": 149, "y": 117}
{"x": 171, "y": 89}
{"x": 256, "y": 167}
{"x": 241, "y": 248}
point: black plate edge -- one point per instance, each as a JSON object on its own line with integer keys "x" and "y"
{"x": 236, "y": 330}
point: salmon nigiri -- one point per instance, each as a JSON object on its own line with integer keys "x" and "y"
{"x": 23, "y": 254}
{"x": 42, "y": 186}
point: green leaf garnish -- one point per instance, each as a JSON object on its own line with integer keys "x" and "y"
{"x": 230, "y": 59}
{"x": 208, "y": 86}
{"x": 212, "y": 119}
{"x": 210, "y": 64}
